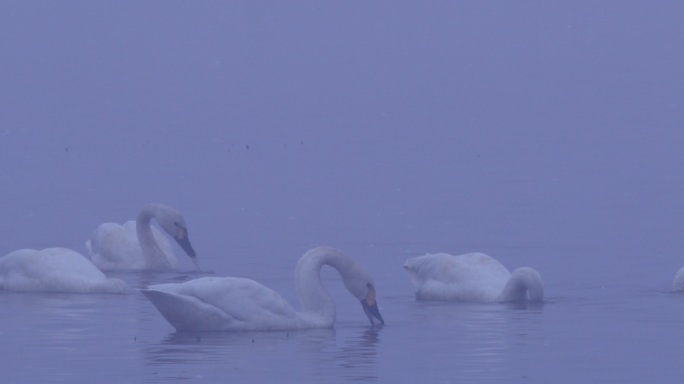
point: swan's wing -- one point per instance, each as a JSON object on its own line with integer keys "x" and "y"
{"x": 187, "y": 313}
{"x": 114, "y": 246}
{"x": 467, "y": 277}
{"x": 449, "y": 268}
{"x": 222, "y": 303}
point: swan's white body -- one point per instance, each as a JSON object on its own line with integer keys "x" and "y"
{"x": 116, "y": 247}
{"x": 137, "y": 245}
{"x": 474, "y": 277}
{"x": 240, "y": 304}
{"x": 54, "y": 270}
{"x": 678, "y": 282}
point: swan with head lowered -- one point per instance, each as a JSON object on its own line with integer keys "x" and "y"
{"x": 139, "y": 245}
{"x": 54, "y": 270}
{"x": 240, "y": 304}
{"x": 473, "y": 277}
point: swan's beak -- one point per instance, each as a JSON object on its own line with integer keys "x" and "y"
{"x": 370, "y": 307}
{"x": 183, "y": 240}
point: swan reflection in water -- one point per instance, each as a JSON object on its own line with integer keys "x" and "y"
{"x": 300, "y": 355}
{"x": 358, "y": 355}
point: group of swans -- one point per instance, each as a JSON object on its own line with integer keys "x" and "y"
{"x": 241, "y": 304}
{"x": 238, "y": 304}
{"x": 112, "y": 247}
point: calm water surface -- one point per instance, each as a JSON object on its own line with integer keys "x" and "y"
{"x": 627, "y": 332}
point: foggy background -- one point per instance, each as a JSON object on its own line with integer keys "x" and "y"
{"x": 543, "y": 131}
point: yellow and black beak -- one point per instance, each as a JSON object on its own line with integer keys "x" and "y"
{"x": 183, "y": 240}
{"x": 370, "y": 307}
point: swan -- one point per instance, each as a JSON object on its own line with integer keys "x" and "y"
{"x": 54, "y": 270}
{"x": 240, "y": 304}
{"x": 138, "y": 245}
{"x": 472, "y": 277}
{"x": 678, "y": 282}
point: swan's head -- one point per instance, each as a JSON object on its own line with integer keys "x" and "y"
{"x": 370, "y": 306}
{"x": 173, "y": 223}
{"x": 525, "y": 284}
{"x": 356, "y": 279}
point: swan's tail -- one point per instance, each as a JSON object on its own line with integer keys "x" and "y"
{"x": 524, "y": 285}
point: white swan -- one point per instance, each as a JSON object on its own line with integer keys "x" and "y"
{"x": 678, "y": 282}
{"x": 138, "y": 245}
{"x": 239, "y": 304}
{"x": 472, "y": 277}
{"x": 54, "y": 270}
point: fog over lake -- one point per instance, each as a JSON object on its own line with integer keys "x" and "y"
{"x": 543, "y": 134}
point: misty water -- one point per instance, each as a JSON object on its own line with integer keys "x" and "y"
{"x": 544, "y": 135}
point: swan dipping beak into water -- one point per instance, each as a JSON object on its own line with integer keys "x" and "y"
{"x": 137, "y": 245}
{"x": 240, "y": 304}
{"x": 370, "y": 307}
{"x": 474, "y": 277}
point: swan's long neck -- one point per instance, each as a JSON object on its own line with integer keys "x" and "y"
{"x": 313, "y": 296}
{"x": 524, "y": 285}
{"x": 155, "y": 258}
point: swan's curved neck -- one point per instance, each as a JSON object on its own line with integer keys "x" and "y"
{"x": 313, "y": 296}
{"x": 155, "y": 258}
{"x": 524, "y": 284}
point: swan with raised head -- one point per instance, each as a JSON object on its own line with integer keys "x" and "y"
{"x": 54, "y": 270}
{"x": 678, "y": 282}
{"x": 240, "y": 304}
{"x": 139, "y": 245}
{"x": 474, "y": 277}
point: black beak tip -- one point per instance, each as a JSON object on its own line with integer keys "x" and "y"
{"x": 373, "y": 313}
{"x": 187, "y": 247}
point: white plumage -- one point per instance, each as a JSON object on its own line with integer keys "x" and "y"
{"x": 678, "y": 282}
{"x": 472, "y": 277}
{"x": 139, "y": 245}
{"x": 240, "y": 304}
{"x": 54, "y": 270}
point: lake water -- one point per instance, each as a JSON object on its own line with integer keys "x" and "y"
{"x": 593, "y": 327}
{"x": 547, "y": 135}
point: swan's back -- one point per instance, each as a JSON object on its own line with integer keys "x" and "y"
{"x": 468, "y": 277}
{"x": 54, "y": 270}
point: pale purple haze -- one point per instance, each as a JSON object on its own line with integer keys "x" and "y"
{"x": 547, "y": 134}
